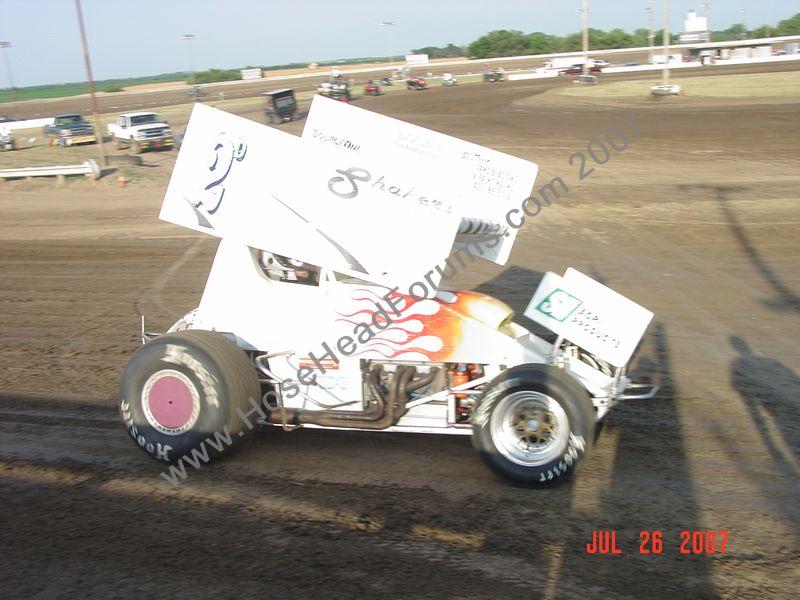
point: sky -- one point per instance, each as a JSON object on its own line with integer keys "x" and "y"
{"x": 129, "y": 38}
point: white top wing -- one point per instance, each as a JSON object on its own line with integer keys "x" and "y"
{"x": 241, "y": 180}
{"x": 474, "y": 182}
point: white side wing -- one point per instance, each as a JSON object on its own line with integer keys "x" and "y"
{"x": 590, "y": 315}
{"x": 243, "y": 181}
{"x": 475, "y": 182}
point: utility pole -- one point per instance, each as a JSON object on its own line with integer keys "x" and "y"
{"x": 743, "y": 11}
{"x": 90, "y": 78}
{"x": 189, "y": 37}
{"x": 650, "y": 35}
{"x": 707, "y": 6}
{"x": 389, "y": 24}
{"x": 665, "y": 78}
{"x": 5, "y": 45}
{"x": 585, "y": 11}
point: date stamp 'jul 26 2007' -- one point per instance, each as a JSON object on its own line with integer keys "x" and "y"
{"x": 688, "y": 542}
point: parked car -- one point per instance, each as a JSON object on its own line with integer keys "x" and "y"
{"x": 7, "y": 141}
{"x": 666, "y": 89}
{"x": 281, "y": 106}
{"x": 140, "y": 131}
{"x": 69, "y": 130}
{"x": 578, "y": 70}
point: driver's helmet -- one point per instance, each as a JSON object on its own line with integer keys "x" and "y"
{"x": 282, "y": 268}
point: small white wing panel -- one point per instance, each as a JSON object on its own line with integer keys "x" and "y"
{"x": 590, "y": 315}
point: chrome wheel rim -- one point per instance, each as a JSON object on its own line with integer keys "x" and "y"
{"x": 529, "y": 428}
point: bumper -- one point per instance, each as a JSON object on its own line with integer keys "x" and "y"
{"x": 79, "y": 139}
{"x": 150, "y": 144}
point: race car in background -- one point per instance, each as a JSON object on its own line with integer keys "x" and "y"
{"x": 372, "y": 89}
{"x": 449, "y": 80}
{"x": 416, "y": 83}
{"x": 493, "y": 75}
{"x": 336, "y": 88}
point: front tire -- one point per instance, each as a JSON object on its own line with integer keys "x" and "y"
{"x": 182, "y": 389}
{"x": 533, "y": 424}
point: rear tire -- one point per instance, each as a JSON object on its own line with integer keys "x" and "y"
{"x": 533, "y": 424}
{"x": 183, "y": 388}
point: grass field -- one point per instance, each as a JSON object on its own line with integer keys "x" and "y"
{"x": 755, "y": 85}
{"x": 61, "y": 90}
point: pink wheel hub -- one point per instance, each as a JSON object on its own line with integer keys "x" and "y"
{"x": 170, "y": 402}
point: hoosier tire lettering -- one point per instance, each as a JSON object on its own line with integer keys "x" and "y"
{"x": 533, "y": 424}
{"x": 181, "y": 388}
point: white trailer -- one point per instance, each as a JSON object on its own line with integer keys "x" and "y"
{"x": 564, "y": 62}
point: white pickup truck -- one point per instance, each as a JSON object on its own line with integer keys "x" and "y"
{"x": 140, "y": 131}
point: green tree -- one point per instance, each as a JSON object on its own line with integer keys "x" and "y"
{"x": 213, "y": 75}
{"x": 616, "y": 38}
{"x": 502, "y": 42}
{"x": 790, "y": 26}
{"x": 511, "y": 42}
{"x": 736, "y": 32}
{"x": 449, "y": 51}
{"x": 764, "y": 31}
{"x": 541, "y": 43}
{"x": 571, "y": 43}
{"x": 640, "y": 38}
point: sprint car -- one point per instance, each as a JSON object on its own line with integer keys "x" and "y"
{"x": 280, "y": 341}
{"x": 372, "y": 89}
{"x": 493, "y": 75}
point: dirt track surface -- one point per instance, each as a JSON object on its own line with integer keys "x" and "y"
{"x": 697, "y": 220}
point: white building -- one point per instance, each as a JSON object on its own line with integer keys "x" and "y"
{"x": 695, "y": 29}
